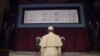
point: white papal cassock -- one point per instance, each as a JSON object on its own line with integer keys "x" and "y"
{"x": 50, "y": 42}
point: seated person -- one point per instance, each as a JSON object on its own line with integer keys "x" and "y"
{"x": 50, "y": 44}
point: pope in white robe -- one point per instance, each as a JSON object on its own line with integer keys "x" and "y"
{"x": 50, "y": 44}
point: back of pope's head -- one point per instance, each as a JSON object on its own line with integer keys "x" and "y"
{"x": 51, "y": 28}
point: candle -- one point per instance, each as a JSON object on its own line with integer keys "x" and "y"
{"x": 89, "y": 23}
{"x": 97, "y": 23}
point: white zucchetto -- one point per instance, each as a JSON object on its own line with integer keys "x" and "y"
{"x": 50, "y": 28}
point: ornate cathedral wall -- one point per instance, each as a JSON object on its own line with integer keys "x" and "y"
{"x": 76, "y": 38}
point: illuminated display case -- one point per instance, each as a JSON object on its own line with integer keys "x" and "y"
{"x": 44, "y": 15}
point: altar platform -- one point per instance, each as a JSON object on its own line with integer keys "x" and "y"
{"x": 21, "y": 53}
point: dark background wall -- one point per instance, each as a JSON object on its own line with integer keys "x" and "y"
{"x": 77, "y": 39}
